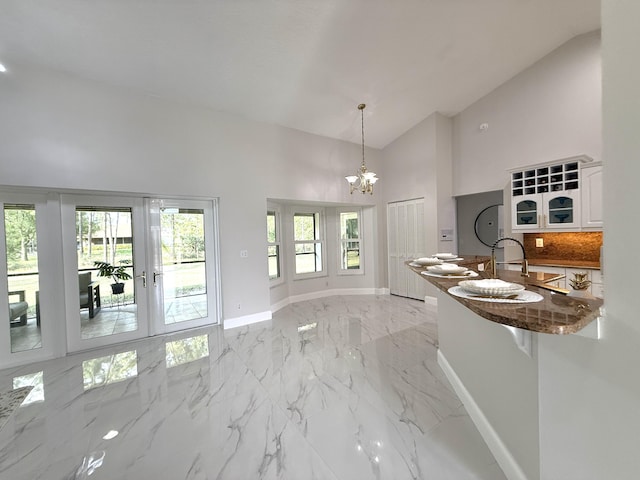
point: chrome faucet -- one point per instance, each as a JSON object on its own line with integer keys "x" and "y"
{"x": 493, "y": 267}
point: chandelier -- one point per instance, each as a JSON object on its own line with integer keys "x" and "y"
{"x": 363, "y": 180}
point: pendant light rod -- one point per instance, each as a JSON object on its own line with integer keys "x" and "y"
{"x": 363, "y": 180}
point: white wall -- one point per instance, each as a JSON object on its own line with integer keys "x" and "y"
{"x": 418, "y": 165}
{"x": 591, "y": 417}
{"x": 59, "y": 131}
{"x": 549, "y": 111}
{"x": 500, "y": 378}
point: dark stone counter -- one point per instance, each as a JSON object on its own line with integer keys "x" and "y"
{"x": 555, "y": 314}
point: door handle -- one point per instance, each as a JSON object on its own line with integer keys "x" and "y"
{"x": 143, "y": 276}
{"x": 155, "y": 276}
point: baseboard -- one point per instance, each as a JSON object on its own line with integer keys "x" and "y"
{"x": 503, "y": 456}
{"x": 246, "y": 320}
{"x": 433, "y": 301}
{"x": 328, "y": 293}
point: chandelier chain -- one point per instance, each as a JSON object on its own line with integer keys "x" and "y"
{"x": 362, "y": 123}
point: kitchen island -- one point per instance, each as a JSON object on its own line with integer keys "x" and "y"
{"x": 505, "y": 384}
{"x": 556, "y": 313}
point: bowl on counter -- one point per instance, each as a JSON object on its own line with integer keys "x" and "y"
{"x": 491, "y": 286}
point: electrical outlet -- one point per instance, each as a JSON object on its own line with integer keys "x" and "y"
{"x": 239, "y": 306}
{"x": 539, "y": 242}
{"x": 244, "y": 253}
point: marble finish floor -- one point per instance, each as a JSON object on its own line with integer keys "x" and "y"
{"x": 341, "y": 388}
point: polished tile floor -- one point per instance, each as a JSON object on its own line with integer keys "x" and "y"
{"x": 338, "y": 388}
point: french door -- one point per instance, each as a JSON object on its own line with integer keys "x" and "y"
{"x": 28, "y": 291}
{"x": 181, "y": 264}
{"x": 136, "y": 267}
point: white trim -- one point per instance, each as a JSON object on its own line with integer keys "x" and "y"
{"x": 499, "y": 450}
{"x": 433, "y": 301}
{"x": 328, "y": 293}
{"x": 246, "y": 320}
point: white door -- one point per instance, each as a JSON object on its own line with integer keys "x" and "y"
{"x": 165, "y": 253}
{"x": 406, "y": 241}
{"x": 110, "y": 230}
{"x": 182, "y": 276}
{"x": 28, "y": 270}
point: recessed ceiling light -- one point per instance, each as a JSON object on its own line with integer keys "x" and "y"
{"x": 2, "y": 68}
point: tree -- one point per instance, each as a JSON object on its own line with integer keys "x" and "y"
{"x": 20, "y": 225}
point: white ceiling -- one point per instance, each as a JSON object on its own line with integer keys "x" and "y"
{"x": 304, "y": 64}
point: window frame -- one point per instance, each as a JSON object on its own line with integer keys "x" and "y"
{"x": 341, "y": 242}
{"x": 319, "y": 240}
{"x": 273, "y": 281}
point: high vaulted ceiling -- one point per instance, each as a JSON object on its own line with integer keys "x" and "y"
{"x": 304, "y": 64}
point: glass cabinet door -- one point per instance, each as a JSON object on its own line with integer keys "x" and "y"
{"x": 562, "y": 210}
{"x": 526, "y": 213}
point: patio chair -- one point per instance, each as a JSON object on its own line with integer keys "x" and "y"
{"x": 18, "y": 310}
{"x": 89, "y": 293}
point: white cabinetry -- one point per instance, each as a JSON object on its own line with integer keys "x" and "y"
{"x": 591, "y": 188}
{"x": 547, "y": 211}
{"x": 560, "y": 196}
{"x": 547, "y": 196}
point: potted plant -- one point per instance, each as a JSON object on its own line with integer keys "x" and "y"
{"x": 117, "y": 273}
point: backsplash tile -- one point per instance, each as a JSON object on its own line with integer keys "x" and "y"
{"x": 564, "y": 246}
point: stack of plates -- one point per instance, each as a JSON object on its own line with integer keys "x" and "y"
{"x": 491, "y": 286}
{"x": 447, "y": 269}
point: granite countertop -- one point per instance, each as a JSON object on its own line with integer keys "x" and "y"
{"x": 555, "y": 313}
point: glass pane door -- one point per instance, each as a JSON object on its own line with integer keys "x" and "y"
{"x": 183, "y": 264}
{"x": 22, "y": 276}
{"x": 27, "y": 324}
{"x": 104, "y": 241}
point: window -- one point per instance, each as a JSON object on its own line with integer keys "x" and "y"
{"x": 350, "y": 244}
{"x": 273, "y": 244}
{"x": 307, "y": 238}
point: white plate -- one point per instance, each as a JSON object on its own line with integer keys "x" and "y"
{"x": 491, "y": 286}
{"x": 445, "y": 256}
{"x": 428, "y": 261}
{"x": 467, "y": 274}
{"x": 447, "y": 268}
{"x": 524, "y": 296}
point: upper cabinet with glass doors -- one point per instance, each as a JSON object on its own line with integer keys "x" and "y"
{"x": 548, "y": 196}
